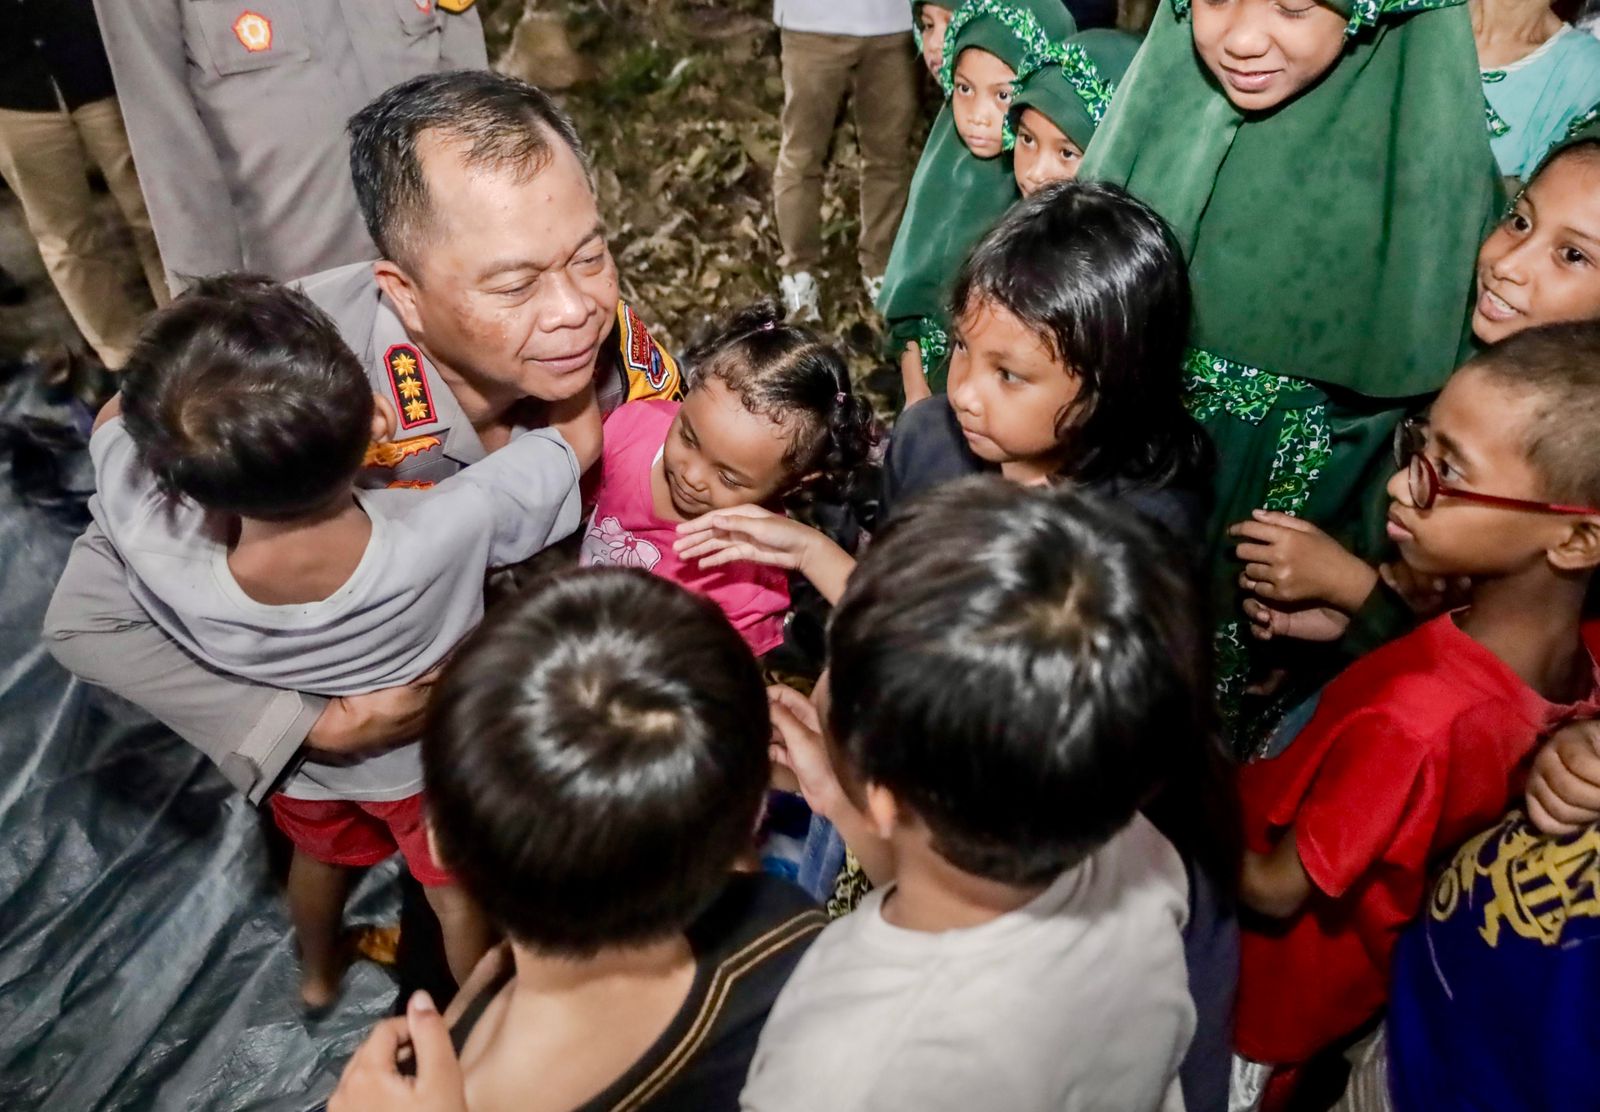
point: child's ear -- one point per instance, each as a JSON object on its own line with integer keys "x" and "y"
{"x": 1579, "y": 549}
{"x": 385, "y": 422}
{"x": 400, "y": 289}
{"x": 882, "y": 811}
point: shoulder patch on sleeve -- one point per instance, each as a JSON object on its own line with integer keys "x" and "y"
{"x": 412, "y": 399}
{"x": 652, "y": 373}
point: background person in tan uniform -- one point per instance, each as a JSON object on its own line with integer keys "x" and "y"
{"x": 861, "y": 50}
{"x": 236, "y": 109}
{"x": 57, "y": 115}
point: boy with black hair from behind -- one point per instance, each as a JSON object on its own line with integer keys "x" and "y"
{"x": 1014, "y": 673}
{"x": 226, "y": 472}
{"x": 596, "y": 758}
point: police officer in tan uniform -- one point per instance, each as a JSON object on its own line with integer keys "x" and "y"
{"x": 236, "y": 112}
{"x": 496, "y": 299}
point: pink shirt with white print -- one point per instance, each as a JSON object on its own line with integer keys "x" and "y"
{"x": 625, "y": 530}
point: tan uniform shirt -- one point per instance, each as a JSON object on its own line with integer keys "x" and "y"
{"x": 236, "y": 112}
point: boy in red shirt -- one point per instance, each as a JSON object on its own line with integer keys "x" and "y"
{"x": 1422, "y": 743}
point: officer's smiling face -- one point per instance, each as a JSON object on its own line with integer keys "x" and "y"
{"x": 513, "y": 290}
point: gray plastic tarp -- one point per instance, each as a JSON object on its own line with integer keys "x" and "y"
{"x": 145, "y": 954}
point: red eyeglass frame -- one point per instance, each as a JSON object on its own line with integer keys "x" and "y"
{"x": 1408, "y": 457}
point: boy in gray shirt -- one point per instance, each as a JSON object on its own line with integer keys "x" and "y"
{"x": 226, "y": 476}
{"x": 1014, "y": 674}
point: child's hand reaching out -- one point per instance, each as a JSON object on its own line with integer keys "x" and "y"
{"x": 1563, "y": 794}
{"x": 763, "y": 537}
{"x": 799, "y": 746}
{"x": 1289, "y": 560}
{"x": 1303, "y": 623}
{"x": 1427, "y": 595}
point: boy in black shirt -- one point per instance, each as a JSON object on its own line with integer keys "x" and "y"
{"x": 596, "y": 760}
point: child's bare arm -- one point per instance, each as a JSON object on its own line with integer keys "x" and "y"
{"x": 1275, "y": 883}
{"x": 1302, "y": 622}
{"x": 763, "y": 537}
{"x": 578, "y": 421}
{"x": 1288, "y": 559}
{"x": 912, "y": 375}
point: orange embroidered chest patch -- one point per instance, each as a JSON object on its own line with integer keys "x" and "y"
{"x": 391, "y": 453}
{"x": 254, "y": 31}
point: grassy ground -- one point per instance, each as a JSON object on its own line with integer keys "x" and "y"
{"x": 682, "y": 119}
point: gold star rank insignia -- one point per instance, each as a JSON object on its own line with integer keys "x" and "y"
{"x": 407, "y": 380}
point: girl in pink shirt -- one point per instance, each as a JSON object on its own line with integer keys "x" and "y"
{"x": 769, "y": 413}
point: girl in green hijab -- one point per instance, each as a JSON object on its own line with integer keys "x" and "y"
{"x": 1060, "y": 102}
{"x": 929, "y": 21}
{"x": 1327, "y": 170}
{"x": 963, "y": 182}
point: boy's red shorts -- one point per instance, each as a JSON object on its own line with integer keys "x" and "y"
{"x": 352, "y": 832}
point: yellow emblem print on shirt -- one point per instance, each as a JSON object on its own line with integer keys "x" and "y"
{"x": 411, "y": 396}
{"x": 1535, "y": 883}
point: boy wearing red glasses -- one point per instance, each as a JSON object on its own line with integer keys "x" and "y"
{"x": 1422, "y": 743}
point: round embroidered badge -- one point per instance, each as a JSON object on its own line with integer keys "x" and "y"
{"x": 254, "y": 32}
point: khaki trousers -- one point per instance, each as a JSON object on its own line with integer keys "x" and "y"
{"x": 44, "y": 158}
{"x": 879, "y": 74}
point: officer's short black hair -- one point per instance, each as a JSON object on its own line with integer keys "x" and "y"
{"x": 242, "y": 396}
{"x": 595, "y": 760}
{"x": 504, "y": 124}
{"x": 1021, "y": 669}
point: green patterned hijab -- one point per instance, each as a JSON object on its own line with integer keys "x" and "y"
{"x": 916, "y": 16}
{"x": 1072, "y": 86}
{"x": 1333, "y": 238}
{"x": 1584, "y": 129}
{"x": 956, "y": 197}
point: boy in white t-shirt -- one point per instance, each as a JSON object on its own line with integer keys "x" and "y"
{"x": 226, "y": 475}
{"x": 1014, "y": 673}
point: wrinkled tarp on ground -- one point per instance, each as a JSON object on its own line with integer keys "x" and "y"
{"x": 146, "y": 960}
